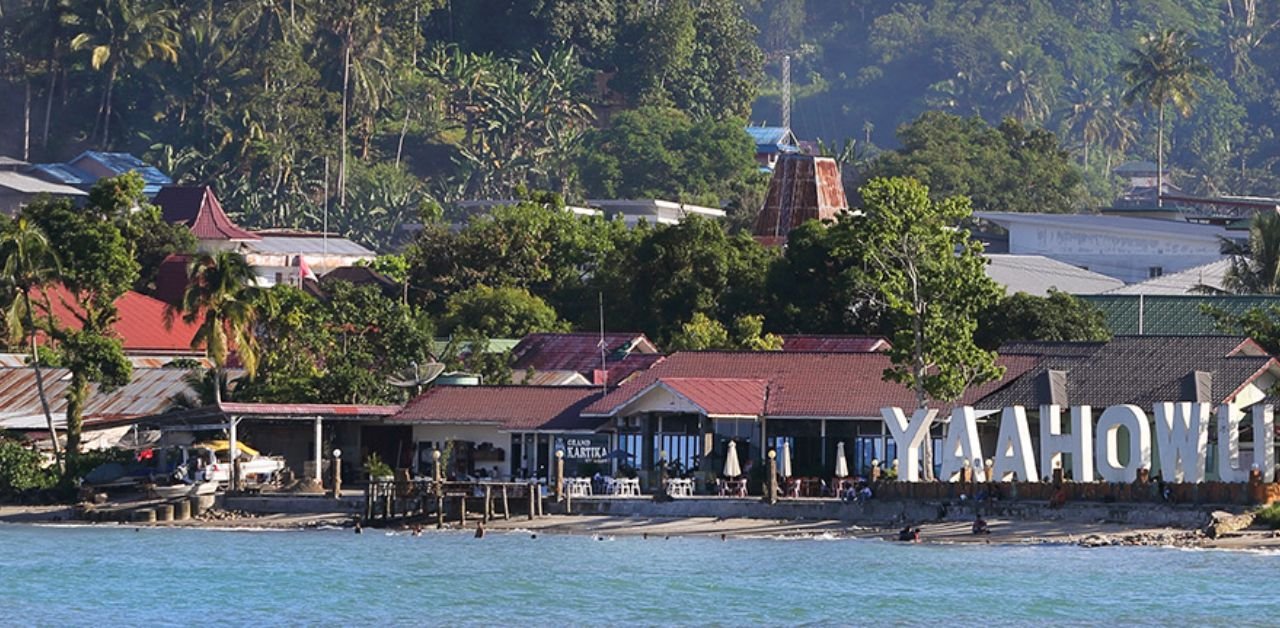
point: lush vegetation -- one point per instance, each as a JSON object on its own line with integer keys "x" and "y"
{"x": 862, "y": 68}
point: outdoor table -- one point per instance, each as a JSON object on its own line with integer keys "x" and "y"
{"x": 679, "y": 487}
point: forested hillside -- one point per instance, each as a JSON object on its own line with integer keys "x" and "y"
{"x": 861, "y": 68}
{"x": 380, "y": 111}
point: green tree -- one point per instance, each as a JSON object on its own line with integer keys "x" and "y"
{"x": 29, "y": 264}
{"x": 702, "y": 333}
{"x": 1262, "y": 324}
{"x": 221, "y": 300}
{"x": 374, "y": 337}
{"x": 1007, "y": 168}
{"x": 1255, "y": 266}
{"x": 120, "y": 33}
{"x": 98, "y": 266}
{"x": 930, "y": 278}
{"x": 498, "y": 313}
{"x": 659, "y": 152}
{"x": 294, "y": 336}
{"x": 1163, "y": 69}
{"x": 1058, "y": 317}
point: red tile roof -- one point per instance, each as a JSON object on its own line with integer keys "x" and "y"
{"x": 198, "y": 208}
{"x": 720, "y": 396}
{"x": 581, "y": 352}
{"x": 141, "y": 325}
{"x": 507, "y": 407}
{"x": 800, "y": 384}
{"x": 834, "y": 344}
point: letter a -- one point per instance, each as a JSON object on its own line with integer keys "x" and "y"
{"x": 962, "y": 443}
{"x": 1013, "y": 448}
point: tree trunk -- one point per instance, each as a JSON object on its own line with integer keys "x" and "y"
{"x": 76, "y": 396}
{"x": 26, "y": 122}
{"x": 44, "y": 397}
{"x": 106, "y": 107}
{"x": 48, "y": 105}
{"x": 404, "y": 128}
{"x": 1160, "y": 158}
{"x": 217, "y": 386}
{"x": 342, "y": 159}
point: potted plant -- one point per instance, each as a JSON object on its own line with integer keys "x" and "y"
{"x": 378, "y": 470}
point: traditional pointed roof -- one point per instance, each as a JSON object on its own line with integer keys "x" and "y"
{"x": 803, "y": 187}
{"x": 198, "y": 209}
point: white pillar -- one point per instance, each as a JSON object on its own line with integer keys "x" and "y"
{"x": 233, "y": 452}
{"x": 319, "y": 451}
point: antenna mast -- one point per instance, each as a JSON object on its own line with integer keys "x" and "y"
{"x": 604, "y": 366}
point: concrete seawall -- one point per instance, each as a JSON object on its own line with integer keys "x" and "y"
{"x": 891, "y": 512}
{"x": 293, "y": 505}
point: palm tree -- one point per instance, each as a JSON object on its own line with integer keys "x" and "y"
{"x": 1255, "y": 266}
{"x": 1024, "y": 90}
{"x": 221, "y": 299}
{"x": 29, "y": 262}
{"x": 119, "y": 32}
{"x": 1163, "y": 69}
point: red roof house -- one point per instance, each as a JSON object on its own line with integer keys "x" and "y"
{"x": 803, "y": 187}
{"x": 625, "y": 353}
{"x": 797, "y": 385}
{"x": 198, "y": 209}
{"x": 834, "y": 344}
{"x": 140, "y": 326}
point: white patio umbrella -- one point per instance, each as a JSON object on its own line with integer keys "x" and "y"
{"x": 731, "y": 467}
{"x": 842, "y": 465}
{"x": 785, "y": 466}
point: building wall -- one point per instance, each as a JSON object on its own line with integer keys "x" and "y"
{"x": 1127, "y": 257}
{"x": 438, "y": 435}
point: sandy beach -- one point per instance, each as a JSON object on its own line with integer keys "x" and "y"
{"x": 1004, "y": 532}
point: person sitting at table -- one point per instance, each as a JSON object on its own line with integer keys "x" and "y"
{"x": 864, "y": 493}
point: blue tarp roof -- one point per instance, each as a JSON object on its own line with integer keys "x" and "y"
{"x": 119, "y": 163}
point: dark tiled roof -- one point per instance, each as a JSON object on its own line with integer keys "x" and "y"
{"x": 579, "y": 351}
{"x": 1140, "y": 370}
{"x": 834, "y": 344}
{"x": 800, "y": 384}
{"x": 198, "y": 209}
{"x": 507, "y": 407}
{"x": 1170, "y": 314}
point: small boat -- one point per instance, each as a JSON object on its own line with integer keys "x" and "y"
{"x": 184, "y": 490}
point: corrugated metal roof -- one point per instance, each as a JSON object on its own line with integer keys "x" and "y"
{"x": 772, "y": 138}
{"x": 803, "y": 188}
{"x": 1171, "y": 314}
{"x": 579, "y": 351}
{"x": 62, "y": 173}
{"x": 149, "y": 392}
{"x": 32, "y": 185}
{"x": 120, "y": 163}
{"x": 1189, "y": 281}
{"x": 1036, "y": 275}
{"x": 1146, "y": 226}
{"x": 309, "y": 244}
{"x": 307, "y": 409}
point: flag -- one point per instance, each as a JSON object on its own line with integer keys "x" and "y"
{"x": 304, "y": 271}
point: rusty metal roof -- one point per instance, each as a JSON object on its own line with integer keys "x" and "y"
{"x": 150, "y": 392}
{"x": 803, "y": 187}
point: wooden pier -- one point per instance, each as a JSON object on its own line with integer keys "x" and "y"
{"x": 391, "y": 501}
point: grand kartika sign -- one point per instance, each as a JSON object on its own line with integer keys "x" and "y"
{"x": 1181, "y": 438}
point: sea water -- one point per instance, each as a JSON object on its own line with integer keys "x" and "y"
{"x": 119, "y": 575}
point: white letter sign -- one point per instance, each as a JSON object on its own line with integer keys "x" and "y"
{"x": 1079, "y": 443}
{"x": 1014, "y": 455}
{"x": 909, "y": 437}
{"x": 962, "y": 443}
{"x": 1182, "y": 437}
{"x": 1134, "y": 420}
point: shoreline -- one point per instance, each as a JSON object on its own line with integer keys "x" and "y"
{"x": 1003, "y": 531}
